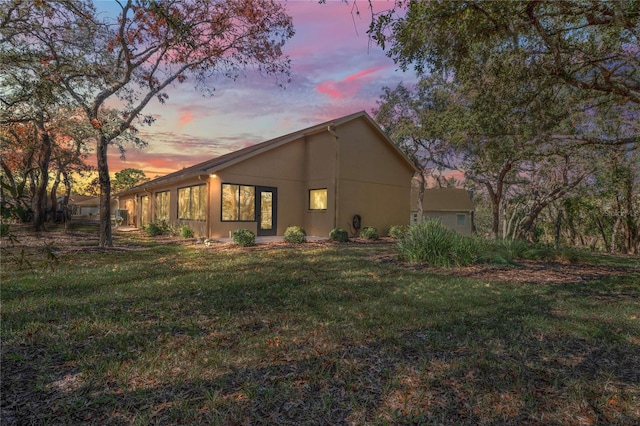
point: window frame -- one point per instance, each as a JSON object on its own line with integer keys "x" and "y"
{"x": 464, "y": 219}
{"x": 167, "y": 205}
{"x": 190, "y": 187}
{"x": 145, "y": 209}
{"x": 326, "y": 192}
{"x": 239, "y": 212}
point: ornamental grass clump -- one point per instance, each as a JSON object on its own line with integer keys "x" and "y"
{"x": 369, "y": 233}
{"x": 295, "y": 234}
{"x": 243, "y": 237}
{"x": 432, "y": 243}
{"x": 339, "y": 235}
{"x": 398, "y": 231}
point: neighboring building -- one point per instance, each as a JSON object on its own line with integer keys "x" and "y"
{"x": 452, "y": 206}
{"x": 318, "y": 178}
{"x": 82, "y": 205}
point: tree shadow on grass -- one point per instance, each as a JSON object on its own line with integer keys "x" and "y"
{"x": 481, "y": 358}
{"x": 468, "y": 369}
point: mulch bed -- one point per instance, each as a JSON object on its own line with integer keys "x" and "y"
{"x": 523, "y": 271}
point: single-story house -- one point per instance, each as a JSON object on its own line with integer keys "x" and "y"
{"x": 452, "y": 206}
{"x": 82, "y": 205}
{"x": 89, "y": 207}
{"x": 344, "y": 173}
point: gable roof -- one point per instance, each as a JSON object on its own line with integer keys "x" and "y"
{"x": 218, "y": 163}
{"x": 87, "y": 201}
{"x": 447, "y": 199}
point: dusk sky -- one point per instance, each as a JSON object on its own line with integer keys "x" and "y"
{"x": 336, "y": 71}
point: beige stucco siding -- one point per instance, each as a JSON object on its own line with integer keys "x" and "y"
{"x": 450, "y": 220}
{"x": 319, "y": 157}
{"x": 359, "y": 168}
{"x": 293, "y": 169}
{"x": 446, "y": 204}
{"x": 279, "y": 168}
{"x": 379, "y": 205}
{"x": 289, "y": 203}
{"x": 374, "y": 179}
{"x": 320, "y": 166}
{"x": 365, "y": 157}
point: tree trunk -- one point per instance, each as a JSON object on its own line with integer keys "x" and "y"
{"x": 420, "y": 205}
{"x": 527, "y": 231}
{"x": 105, "y": 193}
{"x": 614, "y": 234}
{"x": 53, "y": 195}
{"x": 603, "y": 234}
{"x": 558, "y": 228}
{"x": 630, "y": 222}
{"x": 65, "y": 201}
{"x": 495, "y": 211}
{"x": 40, "y": 195}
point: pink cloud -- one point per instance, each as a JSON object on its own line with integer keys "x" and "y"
{"x": 329, "y": 88}
{"x": 185, "y": 117}
{"x": 348, "y": 86}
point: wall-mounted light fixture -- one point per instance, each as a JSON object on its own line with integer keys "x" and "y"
{"x": 213, "y": 175}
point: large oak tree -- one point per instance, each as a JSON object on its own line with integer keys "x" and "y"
{"x": 133, "y": 54}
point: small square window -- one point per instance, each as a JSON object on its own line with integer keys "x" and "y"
{"x": 461, "y": 219}
{"x": 318, "y": 199}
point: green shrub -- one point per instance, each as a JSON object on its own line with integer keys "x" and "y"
{"x": 186, "y": 231}
{"x": 243, "y": 237}
{"x": 295, "y": 234}
{"x": 339, "y": 234}
{"x": 432, "y": 243}
{"x": 509, "y": 251}
{"x": 398, "y": 231}
{"x": 369, "y": 232}
{"x": 157, "y": 228}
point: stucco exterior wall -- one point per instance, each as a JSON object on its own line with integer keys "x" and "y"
{"x": 450, "y": 220}
{"x": 374, "y": 180}
{"x": 361, "y": 172}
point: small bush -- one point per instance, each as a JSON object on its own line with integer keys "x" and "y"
{"x": 295, "y": 234}
{"x": 243, "y": 237}
{"x": 157, "y": 228}
{"x": 4, "y": 229}
{"x": 369, "y": 232}
{"x": 398, "y": 231}
{"x": 339, "y": 234}
{"x": 432, "y": 243}
{"x": 186, "y": 231}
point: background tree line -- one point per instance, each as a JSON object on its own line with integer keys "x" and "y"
{"x": 64, "y": 59}
{"x": 537, "y": 102}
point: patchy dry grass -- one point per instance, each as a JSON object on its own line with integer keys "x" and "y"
{"x": 314, "y": 334}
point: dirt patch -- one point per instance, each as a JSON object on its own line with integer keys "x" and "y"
{"x": 80, "y": 237}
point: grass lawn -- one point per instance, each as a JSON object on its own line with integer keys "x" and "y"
{"x": 311, "y": 334}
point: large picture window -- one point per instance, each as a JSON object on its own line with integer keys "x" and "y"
{"x": 318, "y": 199}
{"x": 192, "y": 202}
{"x": 144, "y": 210}
{"x": 238, "y": 203}
{"x": 162, "y": 205}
